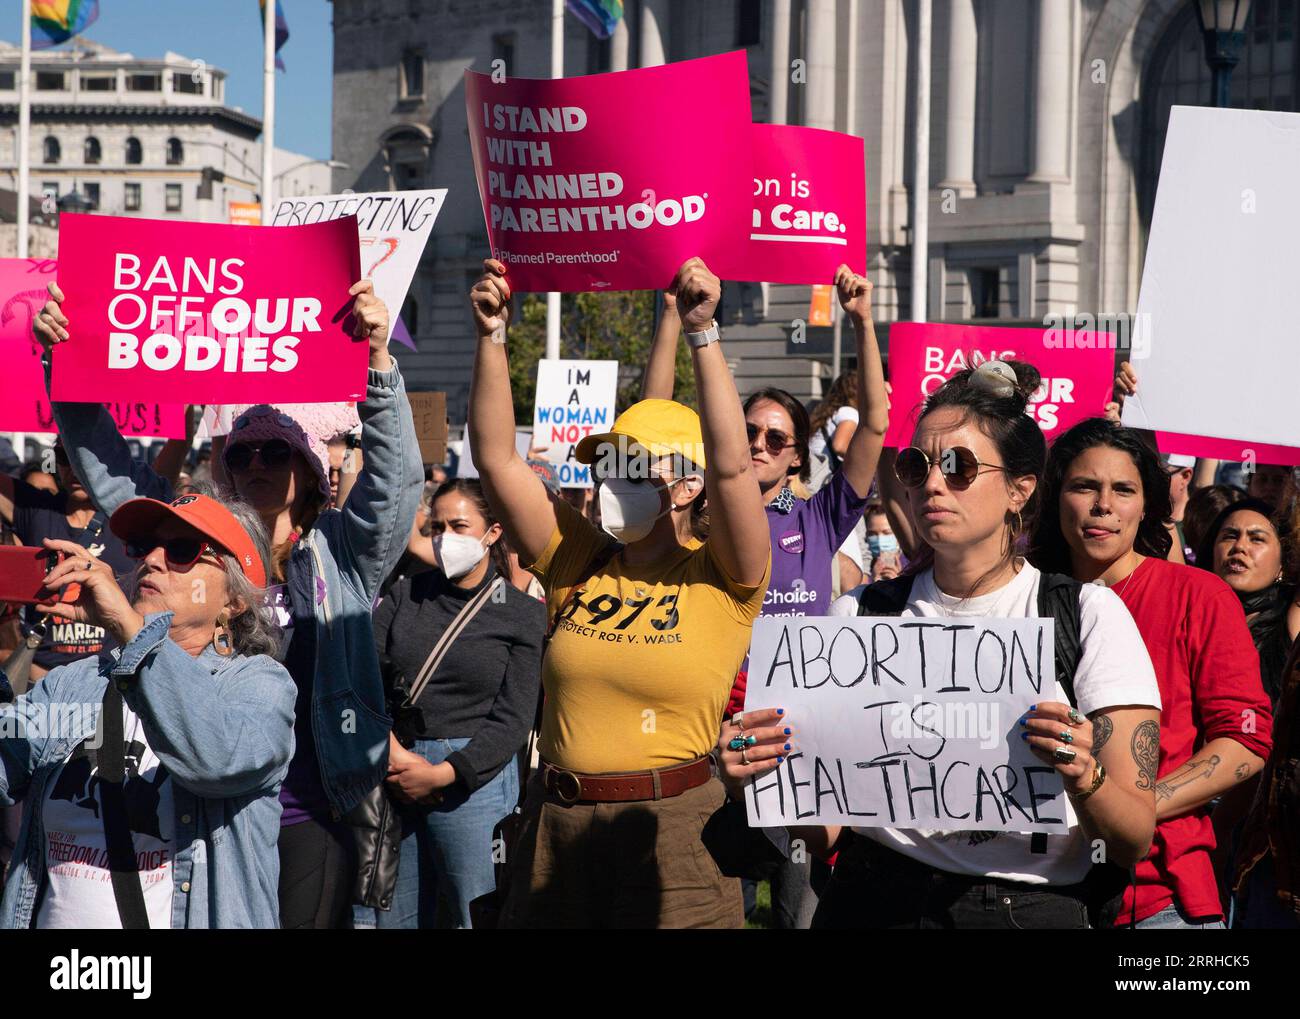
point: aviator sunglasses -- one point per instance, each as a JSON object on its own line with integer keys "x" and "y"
{"x": 274, "y": 453}
{"x": 774, "y": 439}
{"x": 958, "y": 465}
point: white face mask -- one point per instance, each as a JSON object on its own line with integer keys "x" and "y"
{"x": 458, "y": 553}
{"x": 629, "y": 509}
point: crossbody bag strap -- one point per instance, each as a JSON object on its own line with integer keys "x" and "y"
{"x": 117, "y": 831}
{"x": 448, "y": 638}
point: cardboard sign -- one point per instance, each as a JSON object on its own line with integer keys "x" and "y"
{"x": 905, "y": 722}
{"x": 1219, "y": 280}
{"x": 429, "y": 412}
{"x": 24, "y": 404}
{"x": 393, "y": 227}
{"x": 1077, "y": 379}
{"x": 574, "y": 399}
{"x": 208, "y": 313}
{"x": 810, "y": 207}
{"x": 594, "y": 182}
{"x": 1232, "y": 450}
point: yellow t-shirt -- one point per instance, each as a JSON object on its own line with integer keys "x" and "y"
{"x": 640, "y": 667}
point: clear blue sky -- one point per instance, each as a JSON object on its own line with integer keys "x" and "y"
{"x": 227, "y": 34}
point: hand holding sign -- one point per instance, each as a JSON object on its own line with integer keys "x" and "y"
{"x": 50, "y": 325}
{"x": 371, "y": 316}
{"x": 490, "y": 299}
{"x": 854, "y": 293}
{"x": 1044, "y": 725}
{"x": 697, "y": 292}
{"x": 771, "y": 733}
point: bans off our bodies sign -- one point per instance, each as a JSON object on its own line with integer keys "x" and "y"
{"x": 208, "y": 313}
{"x": 907, "y": 723}
{"x": 611, "y": 180}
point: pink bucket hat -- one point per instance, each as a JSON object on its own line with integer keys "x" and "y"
{"x": 263, "y": 422}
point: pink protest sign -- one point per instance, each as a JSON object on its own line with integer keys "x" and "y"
{"x": 1076, "y": 381}
{"x": 809, "y": 214}
{"x": 611, "y": 180}
{"x": 208, "y": 312}
{"x": 24, "y": 406}
{"x": 1235, "y": 450}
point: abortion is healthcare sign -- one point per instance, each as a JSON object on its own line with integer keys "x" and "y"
{"x": 1076, "y": 369}
{"x": 24, "y": 404}
{"x": 393, "y": 228}
{"x": 574, "y": 399}
{"x": 208, "y": 313}
{"x": 810, "y": 207}
{"x": 613, "y": 180}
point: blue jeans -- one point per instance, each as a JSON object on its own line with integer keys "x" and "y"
{"x": 446, "y": 859}
{"x": 1171, "y": 918}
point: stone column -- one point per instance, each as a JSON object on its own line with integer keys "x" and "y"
{"x": 780, "y": 90}
{"x": 819, "y": 52}
{"x": 654, "y": 32}
{"x": 959, "y": 134}
{"x": 1052, "y": 75}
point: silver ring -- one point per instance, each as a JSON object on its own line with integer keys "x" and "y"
{"x": 739, "y": 720}
{"x": 1076, "y": 716}
{"x": 1064, "y": 754}
{"x": 744, "y": 756}
{"x": 1065, "y": 736}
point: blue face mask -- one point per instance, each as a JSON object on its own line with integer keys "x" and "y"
{"x": 878, "y": 543}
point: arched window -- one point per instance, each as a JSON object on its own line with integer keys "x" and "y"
{"x": 134, "y": 152}
{"x": 50, "y": 151}
{"x": 1268, "y": 78}
{"x": 92, "y": 150}
{"x": 175, "y": 152}
{"x": 407, "y": 150}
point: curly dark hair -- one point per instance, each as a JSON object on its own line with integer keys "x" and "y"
{"x": 1048, "y": 548}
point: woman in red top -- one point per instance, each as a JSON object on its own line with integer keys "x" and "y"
{"x": 1111, "y": 500}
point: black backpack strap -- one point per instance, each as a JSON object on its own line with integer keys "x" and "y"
{"x": 886, "y": 597}
{"x": 117, "y": 832}
{"x": 832, "y": 457}
{"x": 1058, "y": 600}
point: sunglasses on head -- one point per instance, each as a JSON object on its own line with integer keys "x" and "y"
{"x": 274, "y": 453}
{"x": 774, "y": 439}
{"x": 958, "y": 465}
{"x": 179, "y": 551}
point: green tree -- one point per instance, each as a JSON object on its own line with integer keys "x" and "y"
{"x": 616, "y": 326}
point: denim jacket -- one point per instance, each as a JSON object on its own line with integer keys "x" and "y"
{"x": 222, "y": 727}
{"x": 350, "y": 552}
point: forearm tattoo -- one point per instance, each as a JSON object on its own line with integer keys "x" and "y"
{"x": 1102, "y": 727}
{"x": 1145, "y": 747}
{"x": 1242, "y": 772}
{"x": 1188, "y": 773}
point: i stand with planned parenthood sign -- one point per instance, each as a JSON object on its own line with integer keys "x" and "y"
{"x": 908, "y": 723}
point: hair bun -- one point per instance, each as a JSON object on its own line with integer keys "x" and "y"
{"x": 997, "y": 378}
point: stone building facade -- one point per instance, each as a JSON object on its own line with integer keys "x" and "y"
{"x": 1046, "y": 127}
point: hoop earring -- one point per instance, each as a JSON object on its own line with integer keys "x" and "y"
{"x": 221, "y": 642}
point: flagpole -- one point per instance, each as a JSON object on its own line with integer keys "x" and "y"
{"x": 557, "y": 71}
{"x": 268, "y": 106}
{"x": 24, "y": 129}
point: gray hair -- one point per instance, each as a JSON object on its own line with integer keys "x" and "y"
{"x": 254, "y": 630}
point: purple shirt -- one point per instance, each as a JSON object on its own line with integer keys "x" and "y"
{"x": 806, "y": 534}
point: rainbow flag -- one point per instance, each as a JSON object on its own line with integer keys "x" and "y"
{"x": 56, "y": 21}
{"x": 598, "y": 15}
{"x": 281, "y": 30}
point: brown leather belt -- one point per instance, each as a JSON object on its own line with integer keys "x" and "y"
{"x": 624, "y": 787}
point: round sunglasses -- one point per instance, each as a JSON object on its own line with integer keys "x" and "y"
{"x": 958, "y": 465}
{"x": 178, "y": 551}
{"x": 774, "y": 440}
{"x": 274, "y": 453}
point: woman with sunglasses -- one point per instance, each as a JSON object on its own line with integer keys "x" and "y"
{"x": 648, "y": 630}
{"x": 972, "y": 475}
{"x": 200, "y": 716}
{"x": 66, "y": 514}
{"x": 1106, "y": 500}
{"x": 326, "y": 569}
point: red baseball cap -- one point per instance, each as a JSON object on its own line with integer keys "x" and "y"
{"x": 203, "y": 514}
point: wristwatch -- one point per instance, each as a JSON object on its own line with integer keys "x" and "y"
{"x": 704, "y": 338}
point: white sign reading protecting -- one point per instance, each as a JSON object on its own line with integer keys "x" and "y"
{"x": 904, "y": 722}
{"x": 393, "y": 226}
{"x": 1219, "y": 280}
{"x": 574, "y": 399}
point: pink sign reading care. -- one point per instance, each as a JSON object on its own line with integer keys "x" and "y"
{"x": 208, "y": 312}
{"x": 1235, "y": 450}
{"x": 1076, "y": 383}
{"x": 24, "y": 405}
{"x": 612, "y": 180}
{"x": 809, "y": 207}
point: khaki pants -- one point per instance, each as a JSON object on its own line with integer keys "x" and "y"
{"x": 611, "y": 865}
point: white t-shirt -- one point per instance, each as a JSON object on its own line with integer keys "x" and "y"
{"x": 817, "y": 441}
{"x": 1114, "y": 669}
{"x": 79, "y": 890}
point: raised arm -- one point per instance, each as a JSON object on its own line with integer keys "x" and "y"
{"x": 661, "y": 368}
{"x": 863, "y": 454}
{"x": 738, "y": 530}
{"x": 170, "y": 460}
{"x": 516, "y": 495}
